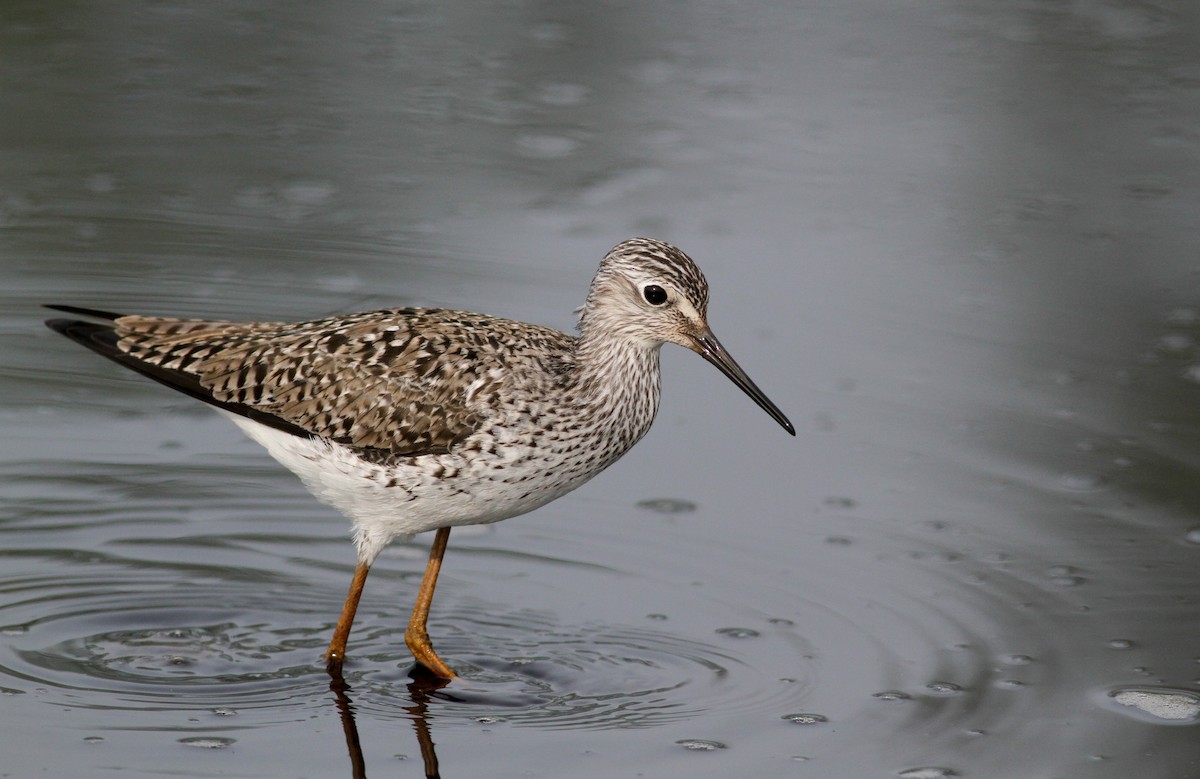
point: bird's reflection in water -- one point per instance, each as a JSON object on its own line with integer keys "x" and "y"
{"x": 420, "y": 689}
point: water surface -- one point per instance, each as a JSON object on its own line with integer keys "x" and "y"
{"x": 955, "y": 245}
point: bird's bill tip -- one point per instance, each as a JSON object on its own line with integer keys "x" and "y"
{"x": 707, "y": 346}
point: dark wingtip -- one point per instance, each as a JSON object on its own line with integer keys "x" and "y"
{"x": 102, "y": 338}
{"x": 95, "y": 313}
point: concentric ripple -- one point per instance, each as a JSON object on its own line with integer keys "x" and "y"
{"x": 533, "y": 668}
{"x": 178, "y": 649}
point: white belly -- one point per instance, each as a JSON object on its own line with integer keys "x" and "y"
{"x": 423, "y": 493}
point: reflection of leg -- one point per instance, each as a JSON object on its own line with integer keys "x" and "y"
{"x": 417, "y": 637}
{"x": 419, "y": 691}
{"x": 337, "y": 646}
{"x": 358, "y": 767}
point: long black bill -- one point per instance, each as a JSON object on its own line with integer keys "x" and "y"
{"x": 708, "y": 347}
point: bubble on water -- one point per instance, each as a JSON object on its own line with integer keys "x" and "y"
{"x": 223, "y": 711}
{"x": 1192, "y": 373}
{"x": 656, "y": 617}
{"x": 781, "y": 622}
{"x": 1082, "y": 481}
{"x": 1119, "y": 643}
{"x": 207, "y": 742}
{"x": 838, "y": 541}
{"x": 1009, "y": 684}
{"x": 945, "y": 689}
{"x": 805, "y": 719}
{"x": 738, "y": 632}
{"x": 840, "y": 502}
{"x": 667, "y": 505}
{"x": 93, "y": 739}
{"x": 1016, "y": 658}
{"x": 1162, "y": 705}
{"x": 892, "y": 695}
{"x": 700, "y": 744}
{"x": 1065, "y": 576}
{"x": 1192, "y": 536}
{"x": 926, "y": 772}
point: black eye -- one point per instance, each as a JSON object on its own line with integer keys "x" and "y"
{"x": 654, "y": 294}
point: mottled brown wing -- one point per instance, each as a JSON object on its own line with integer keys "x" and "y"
{"x": 393, "y": 382}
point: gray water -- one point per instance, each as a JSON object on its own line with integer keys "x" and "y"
{"x": 957, "y": 244}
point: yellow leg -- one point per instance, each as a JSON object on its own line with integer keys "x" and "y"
{"x": 417, "y": 637}
{"x": 337, "y": 646}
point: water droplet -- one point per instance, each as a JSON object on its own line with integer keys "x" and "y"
{"x": 1120, "y": 643}
{"x": 700, "y": 744}
{"x": 805, "y": 719}
{"x": 1009, "y": 684}
{"x": 839, "y": 502}
{"x": 838, "y": 541}
{"x": 737, "y": 632}
{"x": 207, "y": 742}
{"x": 927, "y": 772}
{"x": 1065, "y": 576}
{"x": 1082, "y": 482}
{"x": 224, "y": 712}
{"x": 1165, "y": 705}
{"x": 487, "y": 720}
{"x": 656, "y": 617}
{"x": 892, "y": 695}
{"x": 93, "y": 739}
{"x": 944, "y": 688}
{"x": 667, "y": 506}
{"x": 781, "y": 622}
{"x": 1016, "y": 659}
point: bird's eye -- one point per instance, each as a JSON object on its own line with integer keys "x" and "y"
{"x": 654, "y": 294}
